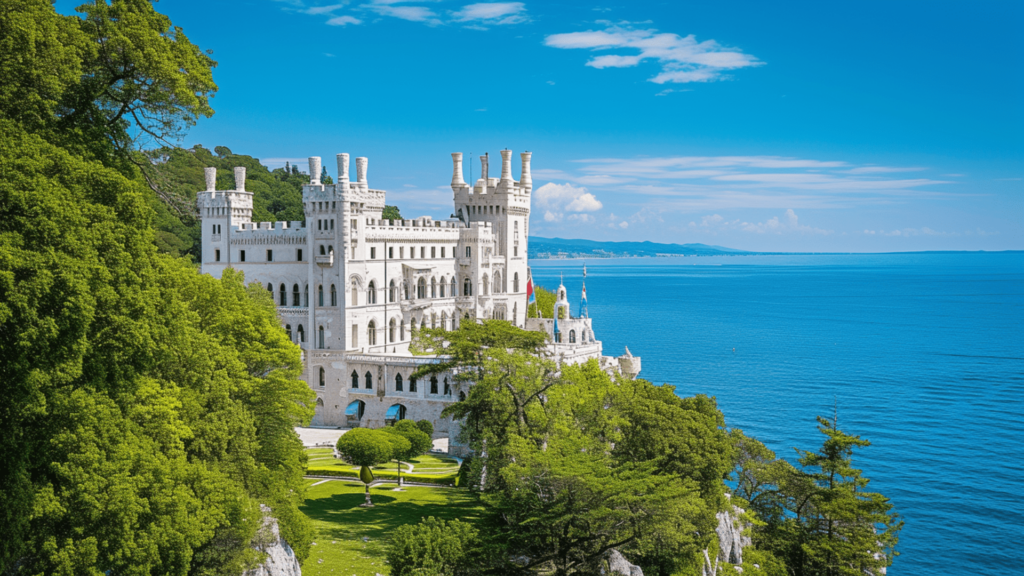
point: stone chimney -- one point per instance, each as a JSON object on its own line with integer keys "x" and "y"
{"x": 457, "y": 181}
{"x": 314, "y": 170}
{"x": 526, "y": 180}
{"x": 211, "y": 178}
{"x": 361, "y": 171}
{"x": 240, "y": 178}
{"x": 506, "y": 168}
{"x": 484, "y": 171}
{"x": 343, "y": 168}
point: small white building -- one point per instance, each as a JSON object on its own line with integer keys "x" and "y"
{"x": 350, "y": 285}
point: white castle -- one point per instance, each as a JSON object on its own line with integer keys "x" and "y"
{"x": 349, "y": 285}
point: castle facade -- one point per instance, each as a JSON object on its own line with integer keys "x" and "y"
{"x": 350, "y": 286}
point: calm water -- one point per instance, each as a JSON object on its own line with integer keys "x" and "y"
{"x": 924, "y": 354}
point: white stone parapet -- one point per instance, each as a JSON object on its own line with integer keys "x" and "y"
{"x": 240, "y": 178}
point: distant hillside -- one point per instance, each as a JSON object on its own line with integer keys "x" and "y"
{"x": 567, "y": 248}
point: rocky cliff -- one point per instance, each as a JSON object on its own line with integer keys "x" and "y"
{"x": 280, "y": 559}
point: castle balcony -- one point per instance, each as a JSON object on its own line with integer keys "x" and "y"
{"x": 325, "y": 261}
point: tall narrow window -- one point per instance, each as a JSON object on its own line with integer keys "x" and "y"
{"x": 444, "y": 319}
{"x": 305, "y": 295}
{"x": 302, "y": 334}
{"x": 455, "y": 288}
{"x": 391, "y": 331}
{"x": 398, "y": 383}
{"x": 368, "y": 381}
{"x": 433, "y": 384}
{"x": 441, "y": 288}
{"x": 332, "y": 224}
{"x": 392, "y": 292}
{"x": 423, "y": 251}
{"x": 433, "y": 288}
{"x": 323, "y": 378}
{"x": 391, "y": 251}
{"x": 217, "y": 255}
{"x": 421, "y": 288}
{"x": 572, "y": 336}
{"x": 447, "y": 387}
{"x": 299, "y": 255}
{"x": 270, "y": 255}
{"x": 371, "y": 333}
{"x": 355, "y": 336}
{"x": 270, "y": 288}
{"x": 412, "y": 384}
{"x": 355, "y": 294}
{"x": 433, "y": 252}
{"x": 320, "y": 338}
{"x": 515, "y": 282}
{"x": 468, "y": 251}
{"x": 371, "y": 293}
{"x": 355, "y": 379}
{"x": 295, "y": 295}
{"x": 320, "y": 295}
{"x": 241, "y": 256}
{"x": 288, "y": 329}
{"x": 373, "y": 253}
{"x": 334, "y": 296}
{"x": 284, "y": 296}
{"x": 442, "y": 251}
{"x": 467, "y": 288}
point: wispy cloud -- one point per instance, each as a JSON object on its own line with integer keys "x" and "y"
{"x": 393, "y": 9}
{"x": 492, "y": 13}
{"x": 682, "y": 58}
{"x": 343, "y": 21}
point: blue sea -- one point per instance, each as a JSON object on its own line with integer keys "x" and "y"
{"x": 922, "y": 353}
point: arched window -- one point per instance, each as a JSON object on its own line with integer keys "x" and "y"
{"x": 320, "y": 338}
{"x": 330, "y": 249}
{"x": 515, "y": 282}
{"x": 467, "y": 287}
{"x": 354, "y": 412}
{"x": 302, "y": 334}
{"x": 455, "y": 287}
{"x": 412, "y": 384}
{"x": 433, "y": 288}
{"x": 391, "y": 330}
{"x": 441, "y": 286}
{"x": 295, "y": 295}
{"x": 355, "y": 293}
{"x": 322, "y": 251}
{"x": 421, "y": 288}
{"x": 462, "y": 396}
{"x": 398, "y": 382}
{"x": 572, "y": 336}
{"x": 334, "y": 295}
{"x": 355, "y": 379}
{"x": 401, "y": 331}
{"x": 371, "y": 293}
{"x": 447, "y": 387}
{"x": 444, "y": 319}
{"x": 392, "y": 292}
{"x": 371, "y": 333}
{"x": 270, "y": 288}
{"x": 394, "y": 414}
{"x": 284, "y": 295}
{"x": 288, "y": 329}
{"x": 320, "y": 295}
{"x": 368, "y": 381}
{"x": 433, "y": 384}
{"x": 323, "y": 378}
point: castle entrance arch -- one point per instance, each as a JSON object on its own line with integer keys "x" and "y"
{"x": 318, "y": 414}
{"x": 354, "y": 413}
{"x": 395, "y": 413}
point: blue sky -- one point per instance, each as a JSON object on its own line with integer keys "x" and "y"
{"x": 803, "y": 126}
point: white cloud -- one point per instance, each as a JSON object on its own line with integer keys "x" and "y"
{"x": 410, "y": 13}
{"x": 550, "y": 216}
{"x": 682, "y": 58}
{"x": 556, "y": 199}
{"x": 497, "y": 13}
{"x": 581, "y": 218}
{"x": 343, "y": 20}
{"x": 623, "y": 224}
{"x": 788, "y": 224}
{"x": 316, "y": 10}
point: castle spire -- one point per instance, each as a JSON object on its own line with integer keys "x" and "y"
{"x": 583, "y": 301}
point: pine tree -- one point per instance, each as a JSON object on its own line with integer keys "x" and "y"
{"x": 287, "y": 167}
{"x": 848, "y": 530}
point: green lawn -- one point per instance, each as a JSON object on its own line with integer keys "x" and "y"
{"x": 427, "y": 466}
{"x": 340, "y": 525}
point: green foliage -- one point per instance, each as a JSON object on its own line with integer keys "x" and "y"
{"x": 391, "y": 213}
{"x": 545, "y": 303}
{"x": 366, "y": 447}
{"x": 433, "y": 547}
{"x": 146, "y": 411}
{"x": 426, "y": 427}
{"x": 145, "y": 406}
{"x": 419, "y": 441}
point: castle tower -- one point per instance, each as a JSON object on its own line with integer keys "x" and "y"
{"x": 220, "y": 211}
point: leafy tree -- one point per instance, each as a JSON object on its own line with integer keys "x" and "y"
{"x": 417, "y": 442}
{"x": 324, "y": 177}
{"x": 391, "y": 213}
{"x": 433, "y": 547}
{"x": 366, "y": 448}
{"x": 426, "y": 427}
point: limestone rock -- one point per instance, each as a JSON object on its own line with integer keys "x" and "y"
{"x": 731, "y": 540}
{"x": 619, "y": 566}
{"x": 280, "y": 559}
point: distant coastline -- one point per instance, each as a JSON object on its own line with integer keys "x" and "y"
{"x": 575, "y": 249}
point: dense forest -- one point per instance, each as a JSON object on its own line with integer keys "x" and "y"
{"x": 147, "y": 411}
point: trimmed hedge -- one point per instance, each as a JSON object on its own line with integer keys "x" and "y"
{"x": 446, "y": 480}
